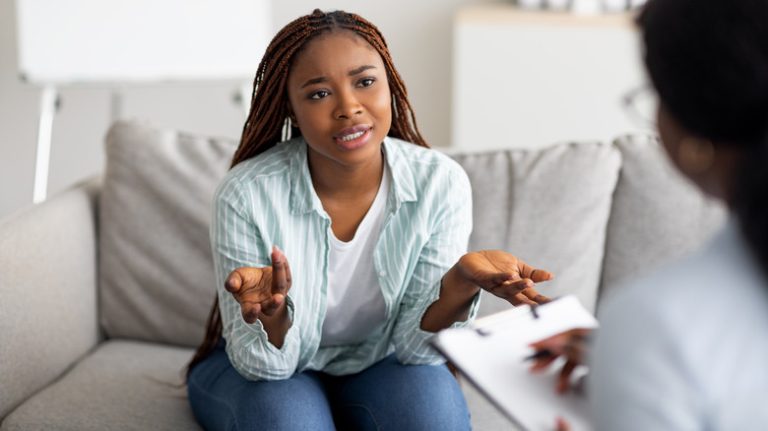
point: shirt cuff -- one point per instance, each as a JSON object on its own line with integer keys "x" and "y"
{"x": 290, "y": 336}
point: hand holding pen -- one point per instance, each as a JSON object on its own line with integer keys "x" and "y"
{"x": 570, "y": 344}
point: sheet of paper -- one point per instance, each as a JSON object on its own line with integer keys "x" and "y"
{"x": 495, "y": 362}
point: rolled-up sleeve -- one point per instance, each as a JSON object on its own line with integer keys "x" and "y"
{"x": 236, "y": 241}
{"x": 446, "y": 244}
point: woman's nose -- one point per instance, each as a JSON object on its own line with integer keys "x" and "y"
{"x": 347, "y": 106}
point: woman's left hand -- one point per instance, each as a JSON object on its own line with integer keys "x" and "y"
{"x": 503, "y": 275}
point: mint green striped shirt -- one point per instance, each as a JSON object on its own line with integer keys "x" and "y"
{"x": 269, "y": 200}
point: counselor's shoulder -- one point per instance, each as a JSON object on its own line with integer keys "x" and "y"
{"x": 429, "y": 168}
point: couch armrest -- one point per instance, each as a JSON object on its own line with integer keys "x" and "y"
{"x": 48, "y": 315}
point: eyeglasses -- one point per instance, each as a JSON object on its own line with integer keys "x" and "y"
{"x": 640, "y": 105}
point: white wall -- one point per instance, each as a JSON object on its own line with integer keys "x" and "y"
{"x": 418, "y": 32}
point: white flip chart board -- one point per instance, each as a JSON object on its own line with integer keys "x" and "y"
{"x": 86, "y": 41}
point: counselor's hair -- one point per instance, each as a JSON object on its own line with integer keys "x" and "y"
{"x": 708, "y": 60}
{"x": 268, "y": 121}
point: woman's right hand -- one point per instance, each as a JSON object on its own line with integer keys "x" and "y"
{"x": 261, "y": 290}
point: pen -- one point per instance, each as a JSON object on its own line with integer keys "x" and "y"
{"x": 539, "y": 354}
{"x": 533, "y": 310}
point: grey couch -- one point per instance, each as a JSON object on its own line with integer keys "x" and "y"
{"x": 104, "y": 288}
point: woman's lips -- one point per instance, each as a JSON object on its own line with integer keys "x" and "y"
{"x": 353, "y": 137}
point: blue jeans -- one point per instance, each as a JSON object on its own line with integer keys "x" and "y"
{"x": 385, "y": 396}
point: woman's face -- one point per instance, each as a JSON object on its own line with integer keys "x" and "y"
{"x": 339, "y": 95}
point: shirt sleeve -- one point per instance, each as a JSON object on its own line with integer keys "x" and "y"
{"x": 236, "y": 242}
{"x": 639, "y": 377}
{"x": 447, "y": 243}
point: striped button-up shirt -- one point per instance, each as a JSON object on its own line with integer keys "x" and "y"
{"x": 269, "y": 200}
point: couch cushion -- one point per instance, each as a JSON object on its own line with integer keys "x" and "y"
{"x": 156, "y": 273}
{"x": 123, "y": 385}
{"x": 547, "y": 206}
{"x": 48, "y": 316}
{"x": 657, "y": 215}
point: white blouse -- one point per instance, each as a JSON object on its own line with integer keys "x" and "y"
{"x": 355, "y": 306}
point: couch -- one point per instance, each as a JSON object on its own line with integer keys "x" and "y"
{"x": 105, "y": 287}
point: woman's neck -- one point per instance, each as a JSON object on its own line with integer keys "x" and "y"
{"x": 336, "y": 181}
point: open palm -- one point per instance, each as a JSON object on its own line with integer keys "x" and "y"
{"x": 504, "y": 275}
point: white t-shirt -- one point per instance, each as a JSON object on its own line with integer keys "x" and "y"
{"x": 355, "y": 305}
{"x": 686, "y": 349}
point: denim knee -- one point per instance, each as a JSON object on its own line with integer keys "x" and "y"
{"x": 390, "y": 395}
{"x": 222, "y": 399}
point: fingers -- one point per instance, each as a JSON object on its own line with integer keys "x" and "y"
{"x": 520, "y": 299}
{"x": 562, "y": 425}
{"x": 250, "y": 311}
{"x": 571, "y": 343}
{"x": 511, "y": 290}
{"x": 281, "y": 272}
{"x": 555, "y": 344}
{"x": 564, "y": 379}
{"x": 520, "y": 292}
{"x": 270, "y": 306}
{"x": 234, "y": 282}
{"x": 242, "y": 279}
{"x": 537, "y": 275}
{"x": 542, "y": 364}
{"x": 492, "y": 280}
{"x": 535, "y": 296}
{"x": 260, "y": 291}
{"x": 575, "y": 349}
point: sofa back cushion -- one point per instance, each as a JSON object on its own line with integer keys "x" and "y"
{"x": 48, "y": 318}
{"x": 657, "y": 215}
{"x": 155, "y": 268}
{"x": 547, "y": 206}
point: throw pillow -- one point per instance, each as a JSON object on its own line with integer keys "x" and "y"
{"x": 156, "y": 273}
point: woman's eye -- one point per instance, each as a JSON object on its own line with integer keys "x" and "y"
{"x": 366, "y": 82}
{"x": 317, "y": 95}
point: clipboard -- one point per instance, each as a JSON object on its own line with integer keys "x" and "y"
{"x": 491, "y": 354}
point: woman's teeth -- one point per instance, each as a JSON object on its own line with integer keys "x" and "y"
{"x": 351, "y": 137}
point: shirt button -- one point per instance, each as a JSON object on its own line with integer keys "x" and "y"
{"x": 382, "y": 274}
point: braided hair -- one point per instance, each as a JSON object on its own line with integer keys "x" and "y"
{"x": 268, "y": 120}
{"x": 708, "y": 61}
{"x": 269, "y": 123}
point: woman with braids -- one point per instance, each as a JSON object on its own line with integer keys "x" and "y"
{"x": 687, "y": 349}
{"x": 338, "y": 241}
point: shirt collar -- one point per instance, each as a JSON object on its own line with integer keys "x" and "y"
{"x": 303, "y": 198}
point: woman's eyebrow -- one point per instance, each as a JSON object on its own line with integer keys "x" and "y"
{"x": 353, "y": 72}
{"x": 314, "y": 81}
{"x": 360, "y": 70}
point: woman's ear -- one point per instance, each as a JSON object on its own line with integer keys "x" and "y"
{"x": 292, "y": 116}
{"x": 695, "y": 156}
{"x": 692, "y": 155}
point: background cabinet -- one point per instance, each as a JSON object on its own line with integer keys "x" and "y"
{"x": 530, "y": 78}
